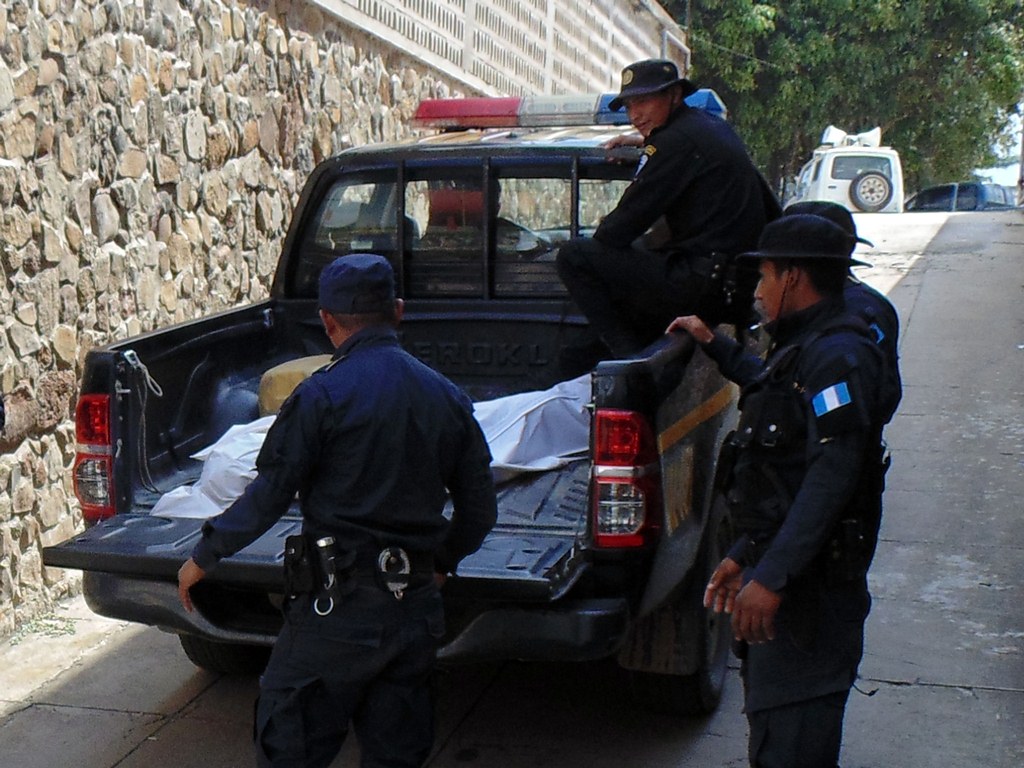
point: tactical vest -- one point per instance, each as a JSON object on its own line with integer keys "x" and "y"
{"x": 764, "y": 461}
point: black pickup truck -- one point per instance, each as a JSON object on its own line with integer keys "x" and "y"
{"x": 606, "y": 556}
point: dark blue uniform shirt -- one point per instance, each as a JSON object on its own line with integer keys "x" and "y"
{"x": 837, "y": 377}
{"x": 372, "y": 443}
{"x": 880, "y": 315}
{"x": 694, "y": 171}
{"x": 815, "y": 410}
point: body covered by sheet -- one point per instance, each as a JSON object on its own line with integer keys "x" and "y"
{"x": 528, "y": 432}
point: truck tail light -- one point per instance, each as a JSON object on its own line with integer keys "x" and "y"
{"x": 93, "y": 471}
{"x": 626, "y": 487}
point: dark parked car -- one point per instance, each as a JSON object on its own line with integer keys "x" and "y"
{"x": 963, "y": 196}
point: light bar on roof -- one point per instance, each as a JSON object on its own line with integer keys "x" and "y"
{"x": 518, "y": 112}
{"x": 537, "y": 111}
{"x": 558, "y": 110}
{"x": 709, "y": 101}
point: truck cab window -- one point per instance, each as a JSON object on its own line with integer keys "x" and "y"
{"x": 597, "y": 198}
{"x": 357, "y": 215}
{"x": 446, "y": 259}
{"x": 493, "y": 239}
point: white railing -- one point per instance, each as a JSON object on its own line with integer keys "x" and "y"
{"x": 522, "y": 46}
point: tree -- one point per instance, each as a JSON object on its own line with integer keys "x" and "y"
{"x": 942, "y": 78}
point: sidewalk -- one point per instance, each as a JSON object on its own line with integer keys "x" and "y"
{"x": 47, "y": 647}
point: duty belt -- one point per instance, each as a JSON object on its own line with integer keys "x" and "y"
{"x": 315, "y": 566}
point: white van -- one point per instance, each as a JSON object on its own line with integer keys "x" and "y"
{"x": 854, "y": 171}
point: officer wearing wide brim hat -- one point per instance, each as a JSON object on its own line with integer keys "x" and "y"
{"x": 861, "y": 299}
{"x": 834, "y": 212}
{"x": 804, "y": 236}
{"x": 803, "y": 485}
{"x": 695, "y": 201}
{"x": 649, "y": 76}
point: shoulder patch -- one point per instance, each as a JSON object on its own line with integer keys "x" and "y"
{"x": 876, "y": 329}
{"x": 831, "y": 398}
{"x": 640, "y": 165}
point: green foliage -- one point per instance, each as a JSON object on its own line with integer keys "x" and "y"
{"x": 942, "y": 78}
{"x": 47, "y": 626}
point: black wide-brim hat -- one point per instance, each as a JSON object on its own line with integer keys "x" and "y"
{"x": 649, "y": 76}
{"x": 834, "y": 212}
{"x": 804, "y": 236}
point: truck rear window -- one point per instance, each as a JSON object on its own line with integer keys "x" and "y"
{"x": 464, "y": 232}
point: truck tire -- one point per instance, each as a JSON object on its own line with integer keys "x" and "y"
{"x": 707, "y": 634}
{"x": 225, "y": 658}
{"x": 871, "y": 191}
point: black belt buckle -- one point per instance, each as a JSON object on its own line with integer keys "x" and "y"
{"x": 394, "y": 569}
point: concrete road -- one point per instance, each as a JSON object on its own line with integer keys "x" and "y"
{"x": 943, "y": 678}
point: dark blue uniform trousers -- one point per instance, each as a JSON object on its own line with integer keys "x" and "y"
{"x": 629, "y": 295}
{"x": 368, "y": 663}
{"x": 805, "y": 734}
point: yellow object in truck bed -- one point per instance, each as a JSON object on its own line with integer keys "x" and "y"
{"x": 278, "y": 382}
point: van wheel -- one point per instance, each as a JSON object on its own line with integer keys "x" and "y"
{"x": 706, "y": 634}
{"x": 225, "y": 658}
{"x": 871, "y": 191}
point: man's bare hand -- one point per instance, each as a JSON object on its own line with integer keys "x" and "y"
{"x": 694, "y": 326}
{"x": 724, "y": 585}
{"x": 753, "y": 616}
{"x": 624, "y": 140}
{"x": 188, "y": 575}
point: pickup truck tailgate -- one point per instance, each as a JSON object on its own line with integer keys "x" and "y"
{"x": 529, "y": 554}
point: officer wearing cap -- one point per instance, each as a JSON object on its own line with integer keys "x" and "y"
{"x": 802, "y": 476}
{"x": 861, "y": 299}
{"x": 372, "y": 443}
{"x": 696, "y": 186}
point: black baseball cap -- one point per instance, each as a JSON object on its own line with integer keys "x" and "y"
{"x": 359, "y": 283}
{"x": 803, "y": 236}
{"x": 649, "y": 76}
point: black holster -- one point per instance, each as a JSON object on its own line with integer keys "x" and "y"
{"x": 315, "y": 566}
{"x": 851, "y": 548}
{"x": 728, "y": 295}
{"x": 847, "y": 553}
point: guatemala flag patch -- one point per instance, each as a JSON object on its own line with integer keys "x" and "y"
{"x": 831, "y": 398}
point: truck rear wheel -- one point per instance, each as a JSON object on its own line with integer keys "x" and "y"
{"x": 225, "y": 658}
{"x": 706, "y": 634}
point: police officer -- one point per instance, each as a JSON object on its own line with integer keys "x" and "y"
{"x": 861, "y": 299}
{"x": 803, "y": 474}
{"x": 371, "y": 443}
{"x": 697, "y": 187}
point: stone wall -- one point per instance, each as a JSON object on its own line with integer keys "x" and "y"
{"x": 151, "y": 152}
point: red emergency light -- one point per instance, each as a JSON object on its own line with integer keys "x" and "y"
{"x": 518, "y": 112}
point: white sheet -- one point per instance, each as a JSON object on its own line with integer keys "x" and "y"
{"x": 528, "y": 432}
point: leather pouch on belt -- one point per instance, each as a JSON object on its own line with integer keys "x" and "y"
{"x": 299, "y": 577}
